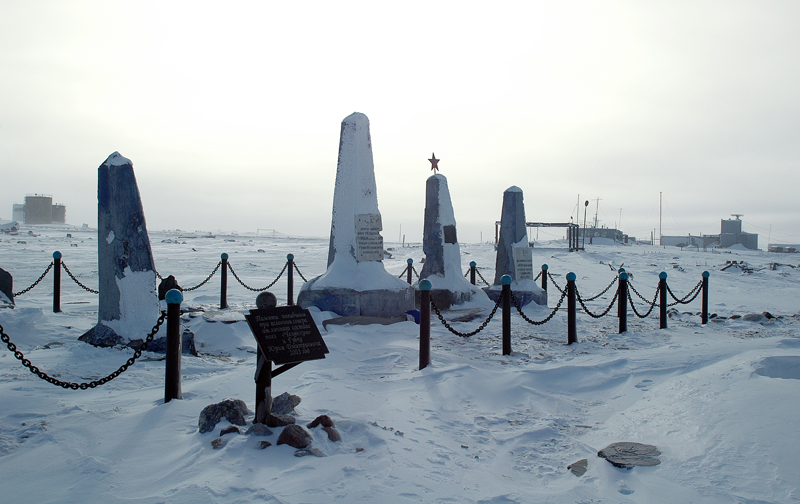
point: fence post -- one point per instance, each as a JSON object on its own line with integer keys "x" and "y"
{"x": 409, "y": 269}
{"x": 56, "y": 281}
{"x": 172, "y": 382}
{"x": 223, "y": 282}
{"x": 290, "y": 279}
{"x": 544, "y": 278}
{"x": 424, "y": 324}
{"x": 706, "y": 274}
{"x": 505, "y": 281}
{"x": 473, "y": 266}
{"x": 572, "y": 307}
{"x": 662, "y": 296}
{"x": 622, "y": 301}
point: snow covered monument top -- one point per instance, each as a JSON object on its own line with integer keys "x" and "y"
{"x": 514, "y": 255}
{"x": 128, "y": 305}
{"x": 356, "y": 283}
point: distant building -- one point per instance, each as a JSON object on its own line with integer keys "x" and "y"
{"x": 39, "y": 209}
{"x": 18, "y": 212}
{"x": 730, "y": 234}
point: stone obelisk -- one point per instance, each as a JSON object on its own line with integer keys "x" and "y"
{"x": 128, "y": 305}
{"x": 442, "y": 266}
{"x": 514, "y": 255}
{"x": 356, "y": 283}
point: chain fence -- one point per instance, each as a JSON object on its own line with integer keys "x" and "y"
{"x": 84, "y": 385}
{"x": 467, "y": 334}
{"x": 253, "y": 288}
{"x": 34, "y": 284}
{"x": 589, "y": 312}
{"x": 540, "y": 322}
{"x": 652, "y": 304}
{"x": 696, "y": 290}
{"x": 74, "y": 279}
{"x": 189, "y": 289}
{"x": 301, "y": 275}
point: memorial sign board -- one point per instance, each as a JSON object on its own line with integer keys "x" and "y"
{"x": 523, "y": 263}
{"x": 286, "y": 334}
{"x": 369, "y": 242}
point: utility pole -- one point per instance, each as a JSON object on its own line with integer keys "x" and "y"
{"x": 659, "y": 218}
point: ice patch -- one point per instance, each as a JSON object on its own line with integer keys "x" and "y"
{"x": 110, "y": 237}
{"x": 138, "y": 304}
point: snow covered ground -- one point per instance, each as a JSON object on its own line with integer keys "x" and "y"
{"x": 720, "y": 401}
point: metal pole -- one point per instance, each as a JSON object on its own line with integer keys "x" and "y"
{"x": 662, "y": 296}
{"x": 409, "y": 270}
{"x": 585, "y": 206}
{"x": 223, "y": 282}
{"x": 290, "y": 286}
{"x": 544, "y": 278}
{"x": 473, "y": 266}
{"x": 56, "y": 281}
{"x": 572, "y": 331}
{"x": 706, "y": 274}
{"x": 622, "y": 301}
{"x": 505, "y": 281}
{"x": 172, "y": 383}
{"x": 424, "y": 324}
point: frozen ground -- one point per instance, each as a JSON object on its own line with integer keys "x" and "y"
{"x": 719, "y": 401}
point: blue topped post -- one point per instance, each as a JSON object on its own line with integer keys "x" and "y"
{"x": 409, "y": 269}
{"x": 473, "y": 266}
{"x": 505, "y": 281}
{"x": 662, "y": 296}
{"x": 622, "y": 301}
{"x": 572, "y": 308}
{"x": 56, "y": 281}
{"x": 706, "y": 274}
{"x": 290, "y": 279}
{"x": 172, "y": 381}
{"x": 424, "y": 324}
{"x": 223, "y": 282}
{"x": 544, "y": 278}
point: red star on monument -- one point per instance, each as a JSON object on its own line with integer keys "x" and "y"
{"x": 434, "y": 162}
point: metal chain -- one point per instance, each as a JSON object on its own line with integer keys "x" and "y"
{"x": 604, "y": 291}
{"x": 414, "y": 270}
{"x": 298, "y": 272}
{"x": 189, "y": 289}
{"x": 159, "y": 276}
{"x": 550, "y": 276}
{"x": 483, "y": 279}
{"x": 652, "y": 305}
{"x": 85, "y": 385}
{"x": 538, "y": 276}
{"x": 467, "y": 273}
{"x": 77, "y": 281}
{"x": 547, "y": 319}
{"x": 465, "y": 335}
{"x": 594, "y": 315}
{"x": 253, "y": 289}
{"x": 695, "y": 290}
{"x": 404, "y": 272}
{"x": 23, "y": 291}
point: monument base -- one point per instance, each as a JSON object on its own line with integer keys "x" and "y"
{"x": 103, "y": 336}
{"x": 349, "y": 302}
{"x": 526, "y": 293}
{"x": 445, "y": 299}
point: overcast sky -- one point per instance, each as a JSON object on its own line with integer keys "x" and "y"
{"x": 230, "y": 111}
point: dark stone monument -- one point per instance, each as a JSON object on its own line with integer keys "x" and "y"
{"x": 514, "y": 255}
{"x": 442, "y": 267}
{"x": 128, "y": 304}
{"x": 6, "y": 285}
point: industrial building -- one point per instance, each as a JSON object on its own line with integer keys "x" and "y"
{"x": 730, "y": 234}
{"x": 39, "y": 209}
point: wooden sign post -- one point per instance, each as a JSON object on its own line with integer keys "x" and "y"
{"x": 285, "y": 335}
